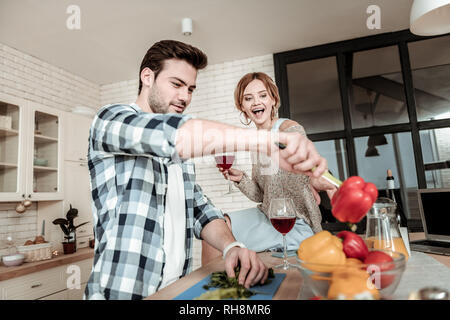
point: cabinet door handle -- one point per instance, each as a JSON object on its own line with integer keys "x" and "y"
{"x": 82, "y": 159}
{"x": 82, "y": 165}
{"x": 82, "y": 231}
{"x": 83, "y": 242}
{"x": 36, "y": 285}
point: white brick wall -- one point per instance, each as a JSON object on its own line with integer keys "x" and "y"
{"x": 119, "y": 92}
{"x": 32, "y": 79}
{"x": 21, "y": 227}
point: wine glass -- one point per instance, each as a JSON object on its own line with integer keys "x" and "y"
{"x": 282, "y": 216}
{"x": 225, "y": 161}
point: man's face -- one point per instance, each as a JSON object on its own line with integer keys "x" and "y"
{"x": 173, "y": 87}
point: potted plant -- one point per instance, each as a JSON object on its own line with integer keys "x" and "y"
{"x": 68, "y": 227}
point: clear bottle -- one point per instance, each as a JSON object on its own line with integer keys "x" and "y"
{"x": 382, "y": 229}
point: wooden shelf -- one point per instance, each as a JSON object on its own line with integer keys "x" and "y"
{"x": 8, "y": 165}
{"x": 38, "y": 138}
{"x": 8, "y": 132}
{"x": 44, "y": 169}
{"x": 56, "y": 261}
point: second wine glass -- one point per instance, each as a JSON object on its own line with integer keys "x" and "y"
{"x": 225, "y": 161}
{"x": 282, "y": 215}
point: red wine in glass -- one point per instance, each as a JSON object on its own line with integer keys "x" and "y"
{"x": 282, "y": 215}
{"x": 283, "y": 224}
{"x": 225, "y": 161}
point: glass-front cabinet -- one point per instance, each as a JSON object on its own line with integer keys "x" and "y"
{"x": 30, "y": 151}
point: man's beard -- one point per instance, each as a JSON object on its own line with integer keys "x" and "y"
{"x": 155, "y": 102}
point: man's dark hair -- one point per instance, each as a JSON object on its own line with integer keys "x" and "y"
{"x": 171, "y": 49}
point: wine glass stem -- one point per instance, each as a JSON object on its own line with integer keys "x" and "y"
{"x": 285, "y": 252}
{"x": 229, "y": 186}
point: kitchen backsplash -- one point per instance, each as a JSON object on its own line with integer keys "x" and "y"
{"x": 21, "y": 227}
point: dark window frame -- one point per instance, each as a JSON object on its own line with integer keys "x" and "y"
{"x": 343, "y": 52}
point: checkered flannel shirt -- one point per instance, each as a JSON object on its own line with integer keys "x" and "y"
{"x": 129, "y": 151}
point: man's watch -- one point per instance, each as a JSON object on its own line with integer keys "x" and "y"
{"x": 231, "y": 245}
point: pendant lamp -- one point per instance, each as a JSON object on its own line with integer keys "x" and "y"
{"x": 430, "y": 17}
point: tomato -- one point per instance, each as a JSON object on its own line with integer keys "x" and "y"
{"x": 379, "y": 259}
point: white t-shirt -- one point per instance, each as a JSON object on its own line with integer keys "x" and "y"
{"x": 174, "y": 226}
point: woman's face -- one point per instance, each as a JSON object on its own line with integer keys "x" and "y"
{"x": 257, "y": 102}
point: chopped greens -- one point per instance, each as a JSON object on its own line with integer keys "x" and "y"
{"x": 228, "y": 287}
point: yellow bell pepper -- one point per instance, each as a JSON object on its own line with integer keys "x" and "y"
{"x": 322, "y": 249}
{"x": 350, "y": 283}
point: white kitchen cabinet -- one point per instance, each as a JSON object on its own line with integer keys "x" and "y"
{"x": 62, "y": 295}
{"x": 76, "y": 137}
{"x": 77, "y": 193}
{"x": 31, "y": 152}
{"x": 77, "y": 180}
{"x": 33, "y": 286}
{"x": 50, "y": 284}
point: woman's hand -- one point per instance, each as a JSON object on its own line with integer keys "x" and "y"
{"x": 232, "y": 174}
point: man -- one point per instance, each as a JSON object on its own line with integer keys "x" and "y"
{"x": 146, "y": 204}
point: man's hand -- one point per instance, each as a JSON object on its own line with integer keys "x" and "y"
{"x": 252, "y": 269}
{"x": 299, "y": 155}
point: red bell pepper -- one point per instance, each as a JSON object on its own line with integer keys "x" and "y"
{"x": 353, "y": 199}
{"x": 353, "y": 245}
{"x": 384, "y": 262}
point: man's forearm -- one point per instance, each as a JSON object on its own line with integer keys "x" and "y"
{"x": 217, "y": 234}
{"x": 197, "y": 138}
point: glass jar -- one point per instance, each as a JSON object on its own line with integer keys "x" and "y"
{"x": 382, "y": 229}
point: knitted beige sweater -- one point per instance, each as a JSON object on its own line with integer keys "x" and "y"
{"x": 262, "y": 187}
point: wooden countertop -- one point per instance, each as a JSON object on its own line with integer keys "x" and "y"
{"x": 288, "y": 290}
{"x": 30, "y": 267}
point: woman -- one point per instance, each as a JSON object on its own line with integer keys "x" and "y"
{"x": 256, "y": 96}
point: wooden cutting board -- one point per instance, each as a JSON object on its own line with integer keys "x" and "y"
{"x": 265, "y": 292}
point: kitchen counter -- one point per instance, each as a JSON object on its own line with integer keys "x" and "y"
{"x": 30, "y": 267}
{"x": 288, "y": 290}
{"x": 291, "y": 287}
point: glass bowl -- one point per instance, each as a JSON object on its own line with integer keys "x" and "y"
{"x": 384, "y": 276}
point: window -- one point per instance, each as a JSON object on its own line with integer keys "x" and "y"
{"x": 436, "y": 157}
{"x": 335, "y": 153}
{"x": 430, "y": 65}
{"x": 386, "y": 96}
{"x": 313, "y": 93}
{"x": 396, "y": 154}
{"x": 377, "y": 88}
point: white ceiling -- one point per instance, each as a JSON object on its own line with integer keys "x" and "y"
{"x": 115, "y": 34}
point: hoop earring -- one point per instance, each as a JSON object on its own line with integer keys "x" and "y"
{"x": 248, "y": 120}
{"x": 272, "y": 113}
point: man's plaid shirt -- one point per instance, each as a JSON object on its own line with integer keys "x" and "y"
{"x": 129, "y": 151}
